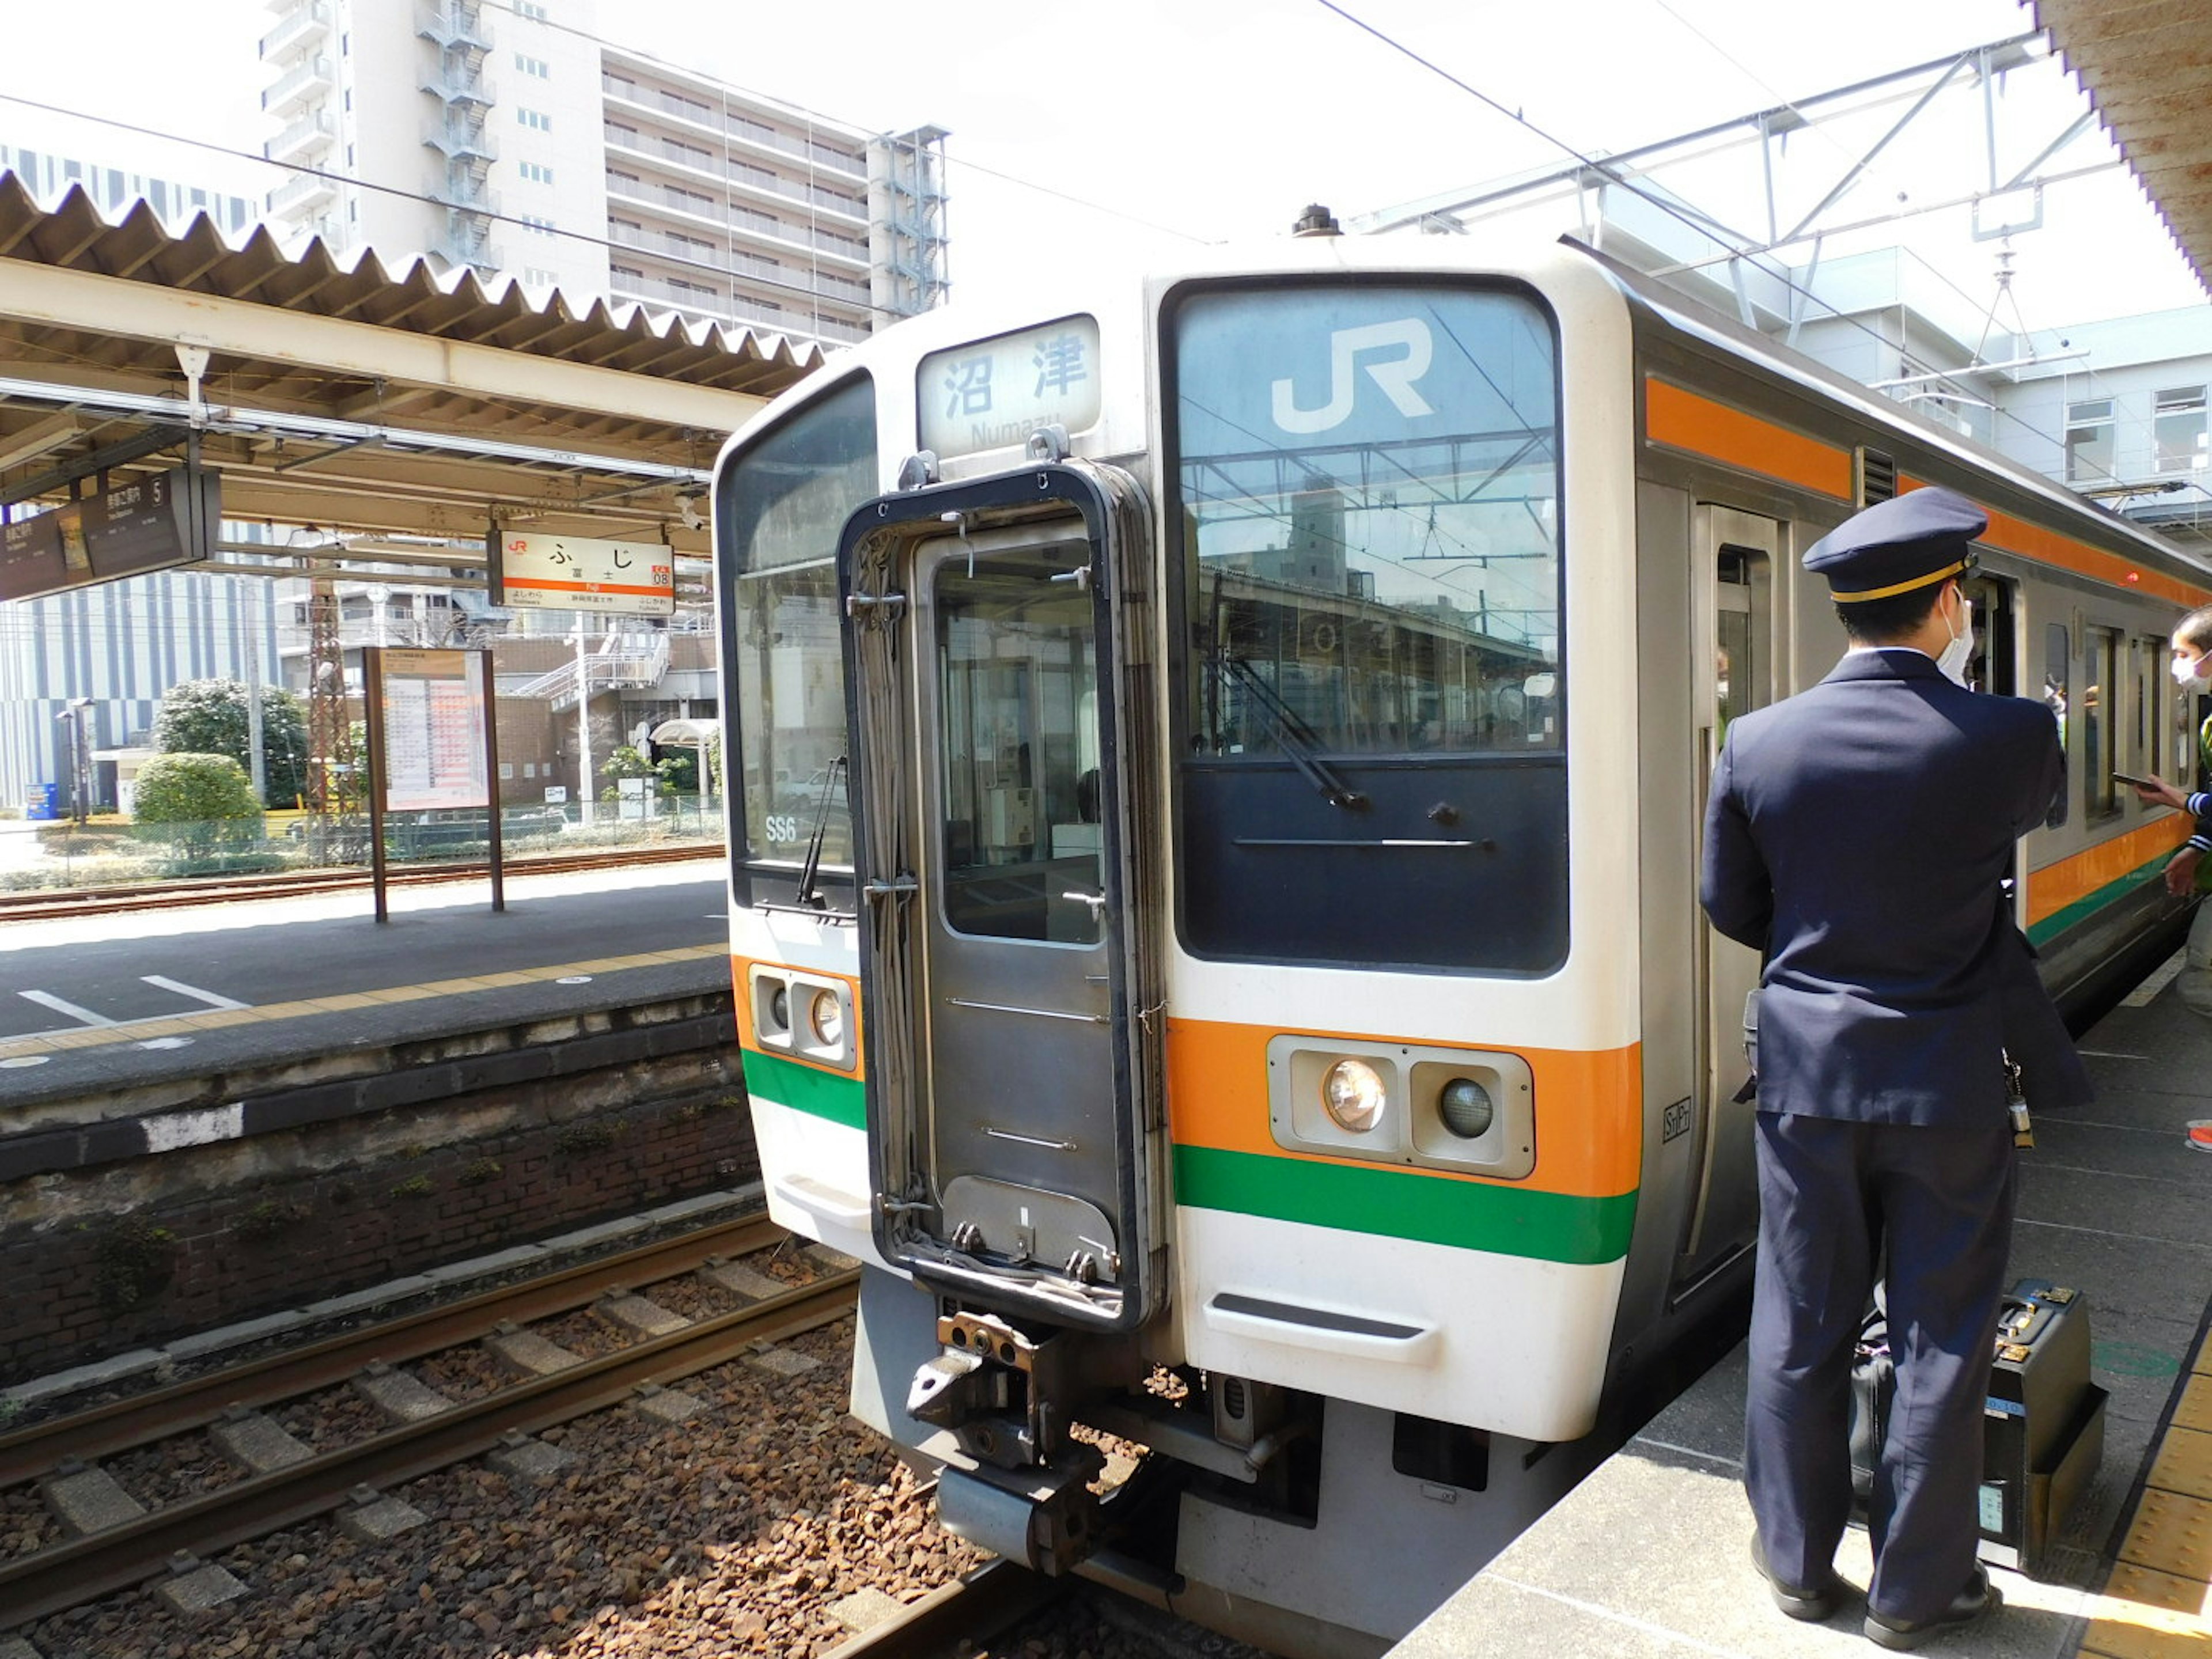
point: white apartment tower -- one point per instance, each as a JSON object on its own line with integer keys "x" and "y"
{"x": 509, "y": 138}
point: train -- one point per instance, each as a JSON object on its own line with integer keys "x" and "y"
{"x": 1216, "y": 763}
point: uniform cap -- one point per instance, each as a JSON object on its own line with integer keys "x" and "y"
{"x": 1894, "y": 546}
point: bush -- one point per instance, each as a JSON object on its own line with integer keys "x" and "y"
{"x": 197, "y": 801}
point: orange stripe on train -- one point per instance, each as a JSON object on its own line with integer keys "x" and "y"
{"x": 1589, "y": 1136}
{"x": 1683, "y": 420}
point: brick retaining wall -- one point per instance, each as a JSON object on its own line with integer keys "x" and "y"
{"x": 101, "y": 1259}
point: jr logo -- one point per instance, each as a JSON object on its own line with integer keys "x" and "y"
{"x": 1409, "y": 336}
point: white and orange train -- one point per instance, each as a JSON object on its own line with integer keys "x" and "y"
{"x": 1217, "y": 768}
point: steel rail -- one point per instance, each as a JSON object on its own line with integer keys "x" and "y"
{"x": 123, "y": 1423}
{"x": 223, "y": 890}
{"x": 974, "y": 1609}
{"x": 120, "y": 1557}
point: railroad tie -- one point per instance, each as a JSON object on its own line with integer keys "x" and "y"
{"x": 400, "y": 1397}
{"x": 634, "y": 1316}
{"x": 371, "y": 1516}
{"x": 256, "y": 1443}
{"x": 86, "y": 1499}
{"x": 745, "y": 1283}
{"x": 521, "y": 1457}
{"x": 526, "y": 1353}
{"x": 662, "y": 1405}
{"x": 830, "y": 1261}
{"x": 195, "y": 1590}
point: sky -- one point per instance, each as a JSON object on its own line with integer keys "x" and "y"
{"x": 1172, "y": 123}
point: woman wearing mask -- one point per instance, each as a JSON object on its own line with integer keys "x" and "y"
{"x": 2188, "y": 870}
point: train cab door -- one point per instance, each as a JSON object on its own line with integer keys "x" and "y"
{"x": 1733, "y": 605}
{"x": 1000, "y": 709}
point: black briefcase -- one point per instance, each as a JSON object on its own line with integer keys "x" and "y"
{"x": 2042, "y": 1430}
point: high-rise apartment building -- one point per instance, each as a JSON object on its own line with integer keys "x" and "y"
{"x": 509, "y": 138}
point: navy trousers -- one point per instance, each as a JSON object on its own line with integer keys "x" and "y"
{"x": 1832, "y": 1193}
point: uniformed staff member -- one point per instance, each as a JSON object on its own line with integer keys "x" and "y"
{"x": 2187, "y": 870}
{"x": 1858, "y": 834}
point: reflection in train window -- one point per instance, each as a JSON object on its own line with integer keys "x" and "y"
{"x": 1017, "y": 711}
{"x": 1370, "y": 487}
{"x": 2099, "y": 729}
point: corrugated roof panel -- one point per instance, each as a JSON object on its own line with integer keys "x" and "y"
{"x": 2148, "y": 70}
{"x": 454, "y": 305}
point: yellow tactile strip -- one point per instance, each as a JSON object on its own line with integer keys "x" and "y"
{"x": 95, "y": 1036}
{"x": 2154, "y": 1606}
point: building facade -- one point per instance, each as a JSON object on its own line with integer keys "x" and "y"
{"x": 510, "y": 139}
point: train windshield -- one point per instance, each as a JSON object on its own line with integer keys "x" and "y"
{"x": 1368, "y": 483}
{"x": 780, "y": 504}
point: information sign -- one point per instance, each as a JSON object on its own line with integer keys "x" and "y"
{"x": 434, "y": 730}
{"x": 143, "y": 523}
{"x": 992, "y": 394}
{"x": 570, "y": 573}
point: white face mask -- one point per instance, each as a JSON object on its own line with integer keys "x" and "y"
{"x": 1952, "y": 662}
{"x": 2187, "y": 672}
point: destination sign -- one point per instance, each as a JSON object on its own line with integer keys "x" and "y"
{"x": 992, "y": 394}
{"x": 570, "y": 573}
{"x": 144, "y": 524}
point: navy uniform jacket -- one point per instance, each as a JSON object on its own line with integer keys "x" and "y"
{"x": 1857, "y": 833}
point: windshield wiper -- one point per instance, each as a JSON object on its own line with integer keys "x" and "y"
{"x": 1298, "y": 740}
{"x": 809, "y": 895}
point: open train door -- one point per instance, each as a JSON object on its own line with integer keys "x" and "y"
{"x": 1733, "y": 606}
{"x": 997, "y": 646}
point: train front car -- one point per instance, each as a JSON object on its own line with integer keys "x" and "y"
{"x": 1215, "y": 1022}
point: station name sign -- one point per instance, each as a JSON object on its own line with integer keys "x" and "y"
{"x": 571, "y": 573}
{"x": 153, "y": 522}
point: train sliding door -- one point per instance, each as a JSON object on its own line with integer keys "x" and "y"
{"x": 1732, "y": 672}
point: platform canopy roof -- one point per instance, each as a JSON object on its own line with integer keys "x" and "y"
{"x": 2147, "y": 65}
{"x": 361, "y": 400}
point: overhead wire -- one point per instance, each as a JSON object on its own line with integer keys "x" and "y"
{"x": 1679, "y": 212}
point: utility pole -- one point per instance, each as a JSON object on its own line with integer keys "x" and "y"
{"x": 587, "y": 796}
{"x": 249, "y": 642}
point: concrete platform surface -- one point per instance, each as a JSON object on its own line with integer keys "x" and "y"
{"x": 1650, "y": 1555}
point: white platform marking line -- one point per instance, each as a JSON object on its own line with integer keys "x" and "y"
{"x": 196, "y": 994}
{"x": 1688, "y": 1451}
{"x": 1612, "y": 1617}
{"x": 48, "y": 999}
{"x": 2162, "y": 977}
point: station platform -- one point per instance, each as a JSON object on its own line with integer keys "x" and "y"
{"x": 1649, "y": 1557}
{"x": 119, "y": 1004}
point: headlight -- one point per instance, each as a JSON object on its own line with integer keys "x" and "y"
{"x": 1351, "y": 1091}
{"x": 779, "y": 1009}
{"x": 825, "y": 1016}
{"x": 1467, "y": 1108}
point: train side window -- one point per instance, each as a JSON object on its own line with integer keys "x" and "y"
{"x": 2100, "y": 727}
{"x": 2057, "y": 653}
{"x": 2151, "y": 680}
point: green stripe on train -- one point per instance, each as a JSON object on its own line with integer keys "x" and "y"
{"x": 805, "y": 1088}
{"x": 1400, "y": 1204}
{"x": 2082, "y": 909}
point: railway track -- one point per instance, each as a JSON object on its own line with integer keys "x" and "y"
{"x": 970, "y": 1610}
{"x": 295, "y": 884}
{"x": 117, "y": 1557}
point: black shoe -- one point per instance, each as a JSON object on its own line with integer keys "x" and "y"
{"x": 1814, "y": 1605}
{"x": 1977, "y": 1601}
